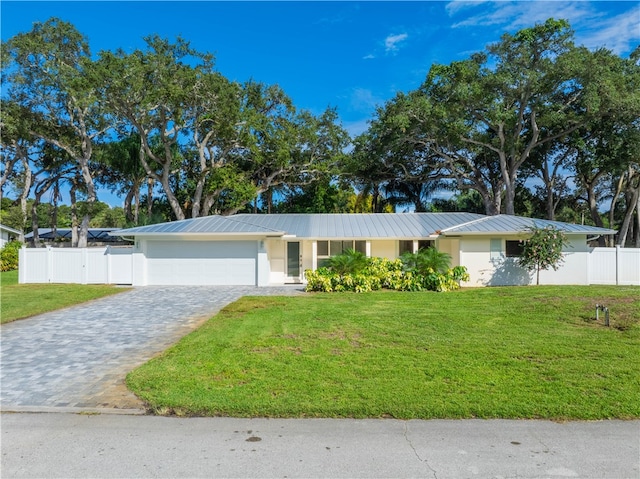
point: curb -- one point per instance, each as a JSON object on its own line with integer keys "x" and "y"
{"x": 71, "y": 410}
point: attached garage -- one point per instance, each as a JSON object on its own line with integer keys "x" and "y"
{"x": 201, "y": 262}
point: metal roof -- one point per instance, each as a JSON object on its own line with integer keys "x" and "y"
{"x": 9, "y": 229}
{"x": 204, "y": 225}
{"x": 508, "y": 224}
{"x": 350, "y": 225}
{"x": 94, "y": 234}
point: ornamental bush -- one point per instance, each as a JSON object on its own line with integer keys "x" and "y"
{"x": 543, "y": 250}
{"x": 379, "y": 273}
{"x": 9, "y": 256}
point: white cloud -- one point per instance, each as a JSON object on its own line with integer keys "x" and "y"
{"x": 456, "y": 6}
{"x": 620, "y": 33}
{"x": 392, "y": 41}
{"x": 512, "y": 15}
{"x": 370, "y": 56}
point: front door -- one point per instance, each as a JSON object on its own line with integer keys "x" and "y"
{"x": 294, "y": 261}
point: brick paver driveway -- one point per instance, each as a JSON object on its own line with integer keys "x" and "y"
{"x": 79, "y": 356}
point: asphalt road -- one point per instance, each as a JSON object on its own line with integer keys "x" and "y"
{"x": 49, "y": 445}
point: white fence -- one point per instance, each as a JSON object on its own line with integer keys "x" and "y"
{"x": 107, "y": 265}
{"x": 614, "y": 266}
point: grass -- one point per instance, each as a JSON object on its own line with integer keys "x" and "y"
{"x": 18, "y": 301}
{"x": 530, "y": 352}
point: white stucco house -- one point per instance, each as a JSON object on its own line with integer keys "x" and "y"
{"x": 8, "y": 234}
{"x": 262, "y": 250}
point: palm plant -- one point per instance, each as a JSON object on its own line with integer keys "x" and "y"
{"x": 426, "y": 260}
{"x": 348, "y": 262}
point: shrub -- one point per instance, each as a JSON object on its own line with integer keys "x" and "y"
{"x": 9, "y": 256}
{"x": 378, "y": 273}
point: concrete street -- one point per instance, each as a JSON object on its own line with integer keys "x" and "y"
{"x": 115, "y": 446}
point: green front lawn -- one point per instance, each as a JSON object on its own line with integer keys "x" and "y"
{"x": 19, "y": 301}
{"x": 529, "y": 352}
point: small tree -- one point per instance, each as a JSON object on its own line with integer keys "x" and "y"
{"x": 543, "y": 250}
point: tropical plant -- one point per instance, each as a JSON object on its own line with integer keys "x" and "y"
{"x": 9, "y": 256}
{"x": 425, "y": 261}
{"x": 543, "y": 250}
{"x": 349, "y": 261}
{"x": 379, "y": 273}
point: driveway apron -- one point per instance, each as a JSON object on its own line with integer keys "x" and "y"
{"x": 79, "y": 356}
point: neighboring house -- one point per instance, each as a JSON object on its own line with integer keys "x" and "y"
{"x": 62, "y": 236}
{"x": 8, "y": 234}
{"x": 248, "y": 249}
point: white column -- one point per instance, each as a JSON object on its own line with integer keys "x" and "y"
{"x": 263, "y": 272}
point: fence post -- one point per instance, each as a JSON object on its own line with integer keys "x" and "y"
{"x": 107, "y": 252}
{"x": 22, "y": 266}
{"x": 618, "y": 264}
{"x": 49, "y": 260}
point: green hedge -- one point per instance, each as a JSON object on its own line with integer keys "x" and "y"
{"x": 381, "y": 273}
{"x": 9, "y": 256}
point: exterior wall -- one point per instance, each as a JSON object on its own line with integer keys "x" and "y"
{"x": 8, "y": 234}
{"x": 451, "y": 246}
{"x": 384, "y": 248}
{"x": 276, "y": 252}
{"x": 489, "y": 267}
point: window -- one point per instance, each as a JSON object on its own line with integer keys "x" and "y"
{"x": 423, "y": 244}
{"x": 327, "y": 249}
{"x": 323, "y": 248}
{"x": 496, "y": 249}
{"x": 405, "y": 246}
{"x": 514, "y": 248}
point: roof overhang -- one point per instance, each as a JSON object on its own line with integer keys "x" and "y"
{"x": 184, "y": 235}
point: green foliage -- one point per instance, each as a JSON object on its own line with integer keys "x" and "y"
{"x": 426, "y": 260}
{"x": 381, "y": 273}
{"x": 543, "y": 250}
{"x": 9, "y": 256}
{"x": 348, "y": 262}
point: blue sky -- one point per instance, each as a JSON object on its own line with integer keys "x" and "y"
{"x": 349, "y": 55}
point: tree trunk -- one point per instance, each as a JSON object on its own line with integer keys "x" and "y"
{"x": 35, "y": 239}
{"x": 128, "y": 210}
{"x": 91, "y": 200}
{"x": 28, "y": 179}
{"x": 509, "y": 197}
{"x": 74, "y": 214}
{"x": 628, "y": 216}
{"x": 149, "y": 197}
{"x": 54, "y": 213}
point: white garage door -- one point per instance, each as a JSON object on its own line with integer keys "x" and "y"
{"x": 201, "y": 262}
